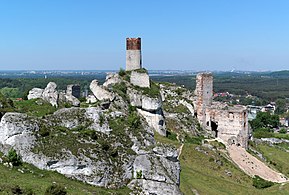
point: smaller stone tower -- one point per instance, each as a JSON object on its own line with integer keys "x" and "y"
{"x": 204, "y": 93}
{"x": 133, "y": 54}
{"x": 73, "y": 90}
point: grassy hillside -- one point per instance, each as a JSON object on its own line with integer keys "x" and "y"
{"x": 208, "y": 171}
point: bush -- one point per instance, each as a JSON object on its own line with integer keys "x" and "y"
{"x": 55, "y": 190}
{"x": 283, "y": 131}
{"x": 139, "y": 174}
{"x": 260, "y": 183}
{"x": 172, "y": 136}
{"x": 14, "y": 158}
{"x": 121, "y": 72}
{"x": 133, "y": 121}
{"x": 16, "y": 190}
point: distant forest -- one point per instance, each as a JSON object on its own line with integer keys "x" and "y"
{"x": 267, "y": 86}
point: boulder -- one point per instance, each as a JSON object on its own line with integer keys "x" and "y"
{"x": 99, "y": 92}
{"x": 111, "y": 79}
{"x": 90, "y": 99}
{"x": 151, "y": 104}
{"x": 35, "y": 93}
{"x": 50, "y": 94}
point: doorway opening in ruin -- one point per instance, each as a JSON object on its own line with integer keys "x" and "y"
{"x": 214, "y": 127}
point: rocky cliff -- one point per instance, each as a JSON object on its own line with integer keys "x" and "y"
{"x": 109, "y": 143}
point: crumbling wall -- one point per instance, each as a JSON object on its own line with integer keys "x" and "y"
{"x": 232, "y": 124}
{"x": 229, "y": 123}
{"x": 204, "y": 92}
{"x": 73, "y": 90}
{"x": 140, "y": 79}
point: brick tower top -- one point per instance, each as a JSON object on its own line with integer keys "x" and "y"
{"x": 133, "y": 43}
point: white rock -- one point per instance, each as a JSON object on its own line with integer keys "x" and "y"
{"x": 111, "y": 79}
{"x": 135, "y": 98}
{"x": 151, "y": 104}
{"x": 154, "y": 120}
{"x": 99, "y": 92}
{"x": 35, "y": 93}
{"x": 90, "y": 99}
{"x": 50, "y": 94}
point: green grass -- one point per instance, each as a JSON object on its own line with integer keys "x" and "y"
{"x": 38, "y": 180}
{"x": 34, "y": 107}
{"x": 200, "y": 172}
{"x": 277, "y": 157}
{"x": 265, "y": 134}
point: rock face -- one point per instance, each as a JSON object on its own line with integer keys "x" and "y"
{"x": 111, "y": 79}
{"x": 90, "y": 99}
{"x": 35, "y": 93}
{"x": 140, "y": 79}
{"x": 150, "y": 172}
{"x": 92, "y": 163}
{"x": 151, "y": 104}
{"x": 155, "y": 120}
{"x": 50, "y": 94}
{"x": 99, "y": 92}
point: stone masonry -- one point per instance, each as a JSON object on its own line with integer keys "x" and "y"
{"x": 133, "y": 54}
{"x": 140, "y": 79}
{"x": 73, "y": 90}
{"x": 229, "y": 123}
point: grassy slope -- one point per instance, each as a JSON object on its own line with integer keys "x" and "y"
{"x": 39, "y": 180}
{"x": 201, "y": 173}
{"x": 277, "y": 157}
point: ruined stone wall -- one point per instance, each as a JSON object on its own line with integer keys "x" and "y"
{"x": 232, "y": 125}
{"x": 133, "y": 54}
{"x": 204, "y": 92}
{"x": 73, "y": 90}
{"x": 140, "y": 79}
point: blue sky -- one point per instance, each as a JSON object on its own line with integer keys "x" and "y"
{"x": 188, "y": 35}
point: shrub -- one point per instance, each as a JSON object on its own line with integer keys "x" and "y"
{"x": 172, "y": 136}
{"x": 139, "y": 174}
{"x": 260, "y": 183}
{"x": 121, "y": 72}
{"x": 14, "y": 158}
{"x": 16, "y": 190}
{"x": 283, "y": 131}
{"x": 55, "y": 190}
{"x": 133, "y": 121}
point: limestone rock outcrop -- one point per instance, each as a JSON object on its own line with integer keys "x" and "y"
{"x": 111, "y": 79}
{"x": 35, "y": 93}
{"x": 99, "y": 92}
{"x": 50, "y": 94}
{"x": 151, "y": 104}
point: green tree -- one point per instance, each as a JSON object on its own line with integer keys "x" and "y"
{"x": 265, "y": 120}
{"x": 280, "y": 106}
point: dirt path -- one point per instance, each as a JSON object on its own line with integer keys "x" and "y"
{"x": 252, "y": 166}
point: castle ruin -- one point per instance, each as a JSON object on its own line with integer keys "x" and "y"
{"x": 133, "y": 54}
{"x": 229, "y": 123}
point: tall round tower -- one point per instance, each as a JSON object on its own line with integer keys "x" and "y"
{"x": 133, "y": 53}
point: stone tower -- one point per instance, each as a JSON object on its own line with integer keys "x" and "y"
{"x": 133, "y": 54}
{"x": 204, "y": 93}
